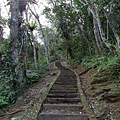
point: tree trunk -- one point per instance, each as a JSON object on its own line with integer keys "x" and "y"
{"x": 45, "y": 44}
{"x": 114, "y": 32}
{"x": 14, "y": 33}
{"x": 70, "y": 52}
{"x": 34, "y": 49}
{"x": 1, "y": 41}
{"x": 0, "y": 59}
{"x": 1, "y": 31}
{"x": 47, "y": 53}
{"x": 1, "y": 35}
{"x": 94, "y": 12}
{"x": 24, "y": 67}
{"x": 97, "y": 36}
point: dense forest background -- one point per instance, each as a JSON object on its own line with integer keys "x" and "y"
{"x": 82, "y": 31}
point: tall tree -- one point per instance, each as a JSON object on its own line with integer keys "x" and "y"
{"x": 14, "y": 28}
{"x": 32, "y": 28}
{"x": 44, "y": 38}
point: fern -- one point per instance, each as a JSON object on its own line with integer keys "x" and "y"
{"x": 3, "y": 102}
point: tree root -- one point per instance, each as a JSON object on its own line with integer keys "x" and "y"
{"x": 12, "y": 113}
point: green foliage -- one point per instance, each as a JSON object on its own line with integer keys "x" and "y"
{"x": 4, "y": 47}
{"x": 91, "y": 61}
{"x": 32, "y": 26}
{"x": 78, "y": 60}
{"x": 17, "y": 118}
{"x": 34, "y": 75}
{"x": 3, "y": 102}
{"x": 110, "y": 64}
{"x": 10, "y": 86}
{"x": 73, "y": 33}
{"x": 30, "y": 63}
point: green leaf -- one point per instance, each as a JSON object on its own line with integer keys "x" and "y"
{"x": 17, "y": 118}
{"x": 3, "y": 102}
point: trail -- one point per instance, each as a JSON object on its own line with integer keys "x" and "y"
{"x": 64, "y": 100}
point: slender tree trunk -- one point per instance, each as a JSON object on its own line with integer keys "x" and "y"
{"x": 1, "y": 31}
{"x": 97, "y": 36}
{"x": 24, "y": 67}
{"x": 1, "y": 35}
{"x": 116, "y": 35}
{"x": 67, "y": 53}
{"x": 1, "y": 41}
{"x": 70, "y": 52}
{"x": 47, "y": 53}
{"x": 45, "y": 44}
{"x": 25, "y": 50}
{"x": 114, "y": 32}
{"x": 14, "y": 33}
{"x": 0, "y": 59}
{"x": 34, "y": 49}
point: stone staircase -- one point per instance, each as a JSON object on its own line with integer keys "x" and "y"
{"x": 63, "y": 101}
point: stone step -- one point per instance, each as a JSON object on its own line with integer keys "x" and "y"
{"x": 63, "y": 91}
{"x": 67, "y": 79}
{"x": 66, "y": 107}
{"x": 62, "y": 100}
{"x": 66, "y": 95}
{"x": 67, "y": 83}
{"x": 65, "y": 88}
{"x": 44, "y": 116}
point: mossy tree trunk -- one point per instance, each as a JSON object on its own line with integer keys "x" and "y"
{"x": 14, "y": 44}
{"x": 14, "y": 28}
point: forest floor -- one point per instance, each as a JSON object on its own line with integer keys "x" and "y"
{"x": 28, "y": 105}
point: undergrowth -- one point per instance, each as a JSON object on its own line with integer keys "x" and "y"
{"x": 12, "y": 85}
{"x": 110, "y": 64}
{"x": 101, "y": 62}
